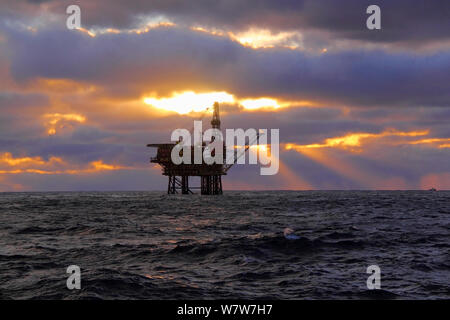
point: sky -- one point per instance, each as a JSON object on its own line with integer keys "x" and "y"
{"x": 356, "y": 108}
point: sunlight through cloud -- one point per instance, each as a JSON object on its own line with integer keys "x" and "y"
{"x": 189, "y": 101}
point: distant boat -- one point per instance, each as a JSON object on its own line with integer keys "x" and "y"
{"x": 432, "y": 189}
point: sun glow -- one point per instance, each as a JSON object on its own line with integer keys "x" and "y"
{"x": 257, "y": 38}
{"x": 262, "y": 38}
{"x": 189, "y": 101}
{"x": 252, "y": 104}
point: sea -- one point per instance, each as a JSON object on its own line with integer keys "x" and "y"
{"x": 241, "y": 245}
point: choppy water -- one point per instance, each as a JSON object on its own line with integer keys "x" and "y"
{"x": 148, "y": 245}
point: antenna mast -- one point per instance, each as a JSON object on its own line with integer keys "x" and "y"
{"x": 215, "y": 122}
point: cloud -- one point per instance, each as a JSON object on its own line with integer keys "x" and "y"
{"x": 439, "y": 142}
{"x": 413, "y": 23}
{"x": 354, "y": 141}
{"x": 52, "y": 166}
{"x": 57, "y": 121}
{"x": 364, "y": 109}
{"x": 10, "y": 101}
{"x": 166, "y": 60}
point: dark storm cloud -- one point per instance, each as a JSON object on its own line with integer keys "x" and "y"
{"x": 170, "y": 59}
{"x": 409, "y": 21}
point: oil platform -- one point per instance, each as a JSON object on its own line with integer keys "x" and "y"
{"x": 179, "y": 174}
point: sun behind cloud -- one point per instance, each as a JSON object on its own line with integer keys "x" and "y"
{"x": 252, "y": 104}
{"x": 189, "y": 101}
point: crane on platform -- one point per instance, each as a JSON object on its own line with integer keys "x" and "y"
{"x": 247, "y": 146}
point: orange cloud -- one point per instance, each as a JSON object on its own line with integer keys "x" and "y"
{"x": 440, "y": 142}
{"x": 6, "y": 159}
{"x": 353, "y": 141}
{"x": 63, "y": 86}
{"x": 190, "y": 101}
{"x": 100, "y": 166}
{"x": 55, "y": 165}
{"x": 56, "y": 121}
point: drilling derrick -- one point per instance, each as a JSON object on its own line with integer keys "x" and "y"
{"x": 212, "y": 184}
{"x": 215, "y": 122}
